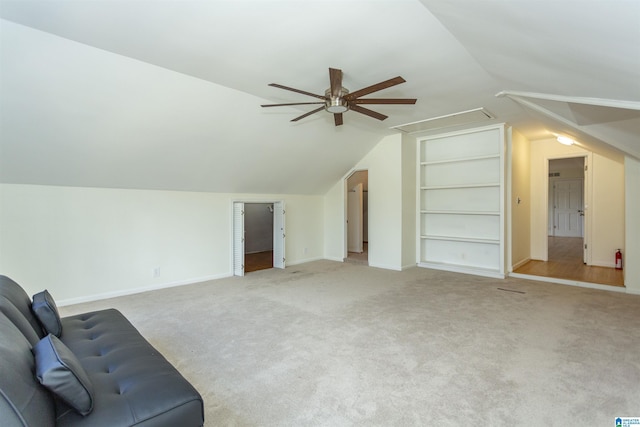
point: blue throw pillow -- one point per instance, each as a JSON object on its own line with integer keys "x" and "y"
{"x": 45, "y": 309}
{"x": 60, "y": 371}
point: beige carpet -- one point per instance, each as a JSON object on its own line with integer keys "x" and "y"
{"x": 333, "y": 344}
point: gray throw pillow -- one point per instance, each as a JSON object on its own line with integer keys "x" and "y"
{"x": 59, "y": 370}
{"x": 45, "y": 309}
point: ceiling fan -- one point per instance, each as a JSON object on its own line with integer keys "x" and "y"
{"x": 337, "y": 99}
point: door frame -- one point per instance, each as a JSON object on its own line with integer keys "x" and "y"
{"x": 356, "y": 227}
{"x": 587, "y": 197}
{"x": 345, "y": 194}
{"x": 279, "y": 236}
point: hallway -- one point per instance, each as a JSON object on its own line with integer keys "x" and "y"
{"x": 565, "y": 262}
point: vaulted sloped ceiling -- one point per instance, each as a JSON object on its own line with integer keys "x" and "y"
{"x": 167, "y": 94}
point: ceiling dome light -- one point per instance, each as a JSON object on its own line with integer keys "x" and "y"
{"x": 336, "y": 104}
{"x": 565, "y": 140}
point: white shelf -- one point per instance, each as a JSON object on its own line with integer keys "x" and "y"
{"x": 460, "y": 159}
{"x": 462, "y": 239}
{"x": 460, "y": 201}
{"x": 479, "y": 271}
{"x": 449, "y": 187}
{"x": 431, "y": 212}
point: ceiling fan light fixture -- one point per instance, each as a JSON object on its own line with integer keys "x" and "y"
{"x": 336, "y": 104}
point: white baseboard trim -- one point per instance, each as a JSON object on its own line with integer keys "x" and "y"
{"x": 302, "y": 261}
{"x": 331, "y": 258}
{"x": 464, "y": 270}
{"x": 124, "y": 292}
{"x": 520, "y": 264}
{"x": 386, "y": 267}
{"x": 572, "y": 283}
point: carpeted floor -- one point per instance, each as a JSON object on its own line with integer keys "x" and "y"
{"x": 338, "y": 344}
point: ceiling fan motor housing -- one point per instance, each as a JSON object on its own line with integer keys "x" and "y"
{"x": 336, "y": 104}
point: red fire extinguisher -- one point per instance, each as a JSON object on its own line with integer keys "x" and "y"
{"x": 618, "y": 260}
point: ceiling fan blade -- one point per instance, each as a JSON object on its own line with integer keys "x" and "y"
{"x": 337, "y": 117}
{"x": 367, "y": 112}
{"x": 307, "y": 114}
{"x": 335, "y": 77}
{"x": 292, "y": 103}
{"x": 374, "y": 88}
{"x": 384, "y": 101}
{"x": 297, "y": 90}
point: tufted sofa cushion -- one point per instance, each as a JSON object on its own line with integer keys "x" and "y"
{"x": 133, "y": 383}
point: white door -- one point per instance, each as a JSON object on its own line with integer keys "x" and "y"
{"x": 583, "y": 212}
{"x": 354, "y": 220}
{"x": 568, "y": 208}
{"x": 278, "y": 235}
{"x": 238, "y": 239}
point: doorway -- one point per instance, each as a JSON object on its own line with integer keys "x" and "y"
{"x": 357, "y": 185}
{"x": 258, "y": 236}
{"x": 566, "y": 192}
{"x": 568, "y": 251}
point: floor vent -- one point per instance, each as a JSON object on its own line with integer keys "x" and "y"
{"x": 450, "y": 120}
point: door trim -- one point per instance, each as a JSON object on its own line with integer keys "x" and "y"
{"x": 587, "y": 197}
{"x": 278, "y": 238}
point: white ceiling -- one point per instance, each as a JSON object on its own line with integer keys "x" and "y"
{"x": 166, "y": 94}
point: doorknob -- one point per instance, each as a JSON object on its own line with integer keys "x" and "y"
{"x": 581, "y": 212}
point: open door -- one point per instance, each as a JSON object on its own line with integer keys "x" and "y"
{"x": 585, "y": 168}
{"x": 278, "y": 235}
{"x": 238, "y": 239}
{"x": 354, "y": 219}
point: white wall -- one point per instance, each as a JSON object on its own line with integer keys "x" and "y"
{"x": 631, "y": 254}
{"x": 608, "y": 218}
{"x": 334, "y": 222}
{"x": 520, "y": 208}
{"x": 385, "y": 165}
{"x": 385, "y": 202}
{"x": 606, "y": 201}
{"x": 87, "y": 243}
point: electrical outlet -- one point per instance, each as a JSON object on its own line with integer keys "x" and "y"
{"x": 305, "y": 250}
{"x": 156, "y": 272}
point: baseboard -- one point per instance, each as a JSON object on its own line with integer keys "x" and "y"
{"x": 408, "y": 266}
{"x": 463, "y": 269}
{"x": 603, "y": 264}
{"x": 386, "y": 267}
{"x": 331, "y": 258}
{"x": 302, "y": 261}
{"x": 520, "y": 264}
{"x": 114, "y": 294}
{"x": 572, "y": 283}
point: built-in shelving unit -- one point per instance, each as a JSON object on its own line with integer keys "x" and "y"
{"x": 461, "y": 201}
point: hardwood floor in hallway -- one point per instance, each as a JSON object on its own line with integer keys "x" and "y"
{"x": 565, "y": 262}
